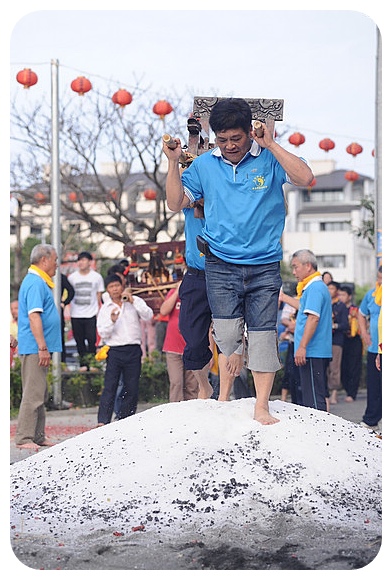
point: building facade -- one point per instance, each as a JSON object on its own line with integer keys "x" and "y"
{"x": 326, "y": 218}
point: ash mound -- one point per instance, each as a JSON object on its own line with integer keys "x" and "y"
{"x": 202, "y": 464}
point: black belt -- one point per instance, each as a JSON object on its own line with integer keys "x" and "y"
{"x": 196, "y": 272}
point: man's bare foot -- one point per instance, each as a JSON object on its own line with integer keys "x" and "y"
{"x": 234, "y": 364}
{"x": 205, "y": 392}
{"x": 349, "y": 399}
{"x": 99, "y": 425}
{"x": 31, "y": 445}
{"x": 263, "y": 417}
{"x": 47, "y": 443}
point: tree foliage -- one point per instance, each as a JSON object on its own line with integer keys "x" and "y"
{"x": 92, "y": 131}
{"x": 366, "y": 231}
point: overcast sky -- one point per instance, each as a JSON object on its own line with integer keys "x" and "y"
{"x": 322, "y": 63}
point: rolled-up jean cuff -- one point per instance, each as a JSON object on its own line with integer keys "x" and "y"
{"x": 263, "y": 354}
{"x": 228, "y": 334}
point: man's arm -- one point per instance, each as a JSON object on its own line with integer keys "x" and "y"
{"x": 309, "y": 330}
{"x": 297, "y": 170}
{"x": 363, "y": 329}
{"x": 175, "y": 196}
{"x": 38, "y": 333}
{"x": 294, "y": 302}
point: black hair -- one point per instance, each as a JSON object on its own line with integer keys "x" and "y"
{"x": 346, "y": 288}
{"x": 231, "y": 114}
{"x": 85, "y": 255}
{"x": 333, "y": 283}
{"x": 112, "y": 278}
{"x": 116, "y": 269}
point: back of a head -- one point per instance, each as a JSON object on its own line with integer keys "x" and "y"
{"x": 116, "y": 269}
{"x": 231, "y": 114}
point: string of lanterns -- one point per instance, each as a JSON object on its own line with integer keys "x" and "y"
{"x": 327, "y": 144}
{"x": 81, "y": 85}
{"x": 122, "y": 97}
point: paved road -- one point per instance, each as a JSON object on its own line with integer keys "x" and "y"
{"x": 61, "y": 425}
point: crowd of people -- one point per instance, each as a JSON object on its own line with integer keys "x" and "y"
{"x": 221, "y": 318}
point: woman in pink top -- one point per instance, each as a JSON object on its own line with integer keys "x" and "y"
{"x": 183, "y": 384}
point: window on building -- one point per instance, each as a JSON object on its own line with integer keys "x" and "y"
{"x": 330, "y": 261}
{"x": 35, "y": 231}
{"x": 323, "y": 196}
{"x": 334, "y": 226}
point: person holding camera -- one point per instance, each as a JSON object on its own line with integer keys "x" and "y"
{"x": 241, "y": 183}
{"x": 118, "y": 324}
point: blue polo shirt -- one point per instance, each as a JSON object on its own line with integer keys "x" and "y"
{"x": 315, "y": 299}
{"x": 36, "y": 296}
{"x": 193, "y": 227}
{"x": 244, "y": 204}
{"x": 372, "y": 311}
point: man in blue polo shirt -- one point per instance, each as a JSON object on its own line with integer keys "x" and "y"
{"x": 39, "y": 335}
{"x": 241, "y": 183}
{"x": 313, "y": 329}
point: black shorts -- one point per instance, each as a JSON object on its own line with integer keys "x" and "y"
{"x": 195, "y": 320}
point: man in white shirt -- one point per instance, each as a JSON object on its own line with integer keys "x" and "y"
{"x": 89, "y": 286}
{"x": 119, "y": 327}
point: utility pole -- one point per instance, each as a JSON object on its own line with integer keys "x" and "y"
{"x": 378, "y": 155}
{"x": 56, "y": 228}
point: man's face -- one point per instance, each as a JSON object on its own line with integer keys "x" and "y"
{"x": 49, "y": 265}
{"x": 233, "y": 143}
{"x": 344, "y": 296}
{"x": 332, "y": 290}
{"x": 84, "y": 265}
{"x": 300, "y": 271}
{"x": 115, "y": 290}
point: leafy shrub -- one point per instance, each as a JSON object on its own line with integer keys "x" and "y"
{"x": 84, "y": 389}
{"x": 154, "y": 380}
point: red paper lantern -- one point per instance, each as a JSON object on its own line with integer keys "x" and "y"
{"x": 40, "y": 197}
{"x": 354, "y": 149}
{"x": 351, "y": 176}
{"x": 150, "y": 194}
{"x": 112, "y": 195}
{"x": 122, "y": 98}
{"x": 326, "y": 144}
{"x": 162, "y": 108}
{"x": 297, "y": 139}
{"x": 373, "y": 152}
{"x": 81, "y": 85}
{"x": 27, "y": 78}
{"x": 73, "y": 196}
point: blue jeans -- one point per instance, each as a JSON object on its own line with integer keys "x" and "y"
{"x": 245, "y": 298}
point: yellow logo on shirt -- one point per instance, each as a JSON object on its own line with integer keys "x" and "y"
{"x": 259, "y": 182}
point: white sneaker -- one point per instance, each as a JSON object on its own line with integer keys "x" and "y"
{"x": 373, "y": 427}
